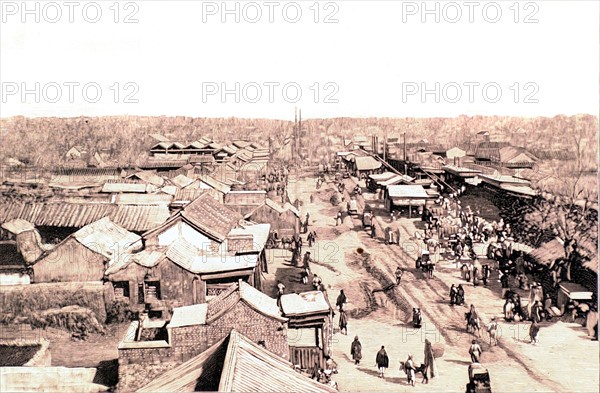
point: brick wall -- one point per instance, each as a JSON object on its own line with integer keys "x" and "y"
{"x": 137, "y": 367}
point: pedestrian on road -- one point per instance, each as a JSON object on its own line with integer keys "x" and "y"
{"x": 306, "y": 261}
{"x": 398, "y": 234}
{"x": 341, "y": 300}
{"x": 475, "y": 351}
{"x": 534, "y": 331}
{"x": 338, "y": 220}
{"x": 280, "y": 288}
{"x": 399, "y": 273}
{"x": 382, "y": 361}
{"x": 304, "y": 276}
{"x": 493, "y": 331}
{"x": 431, "y": 370}
{"x": 316, "y": 282}
{"x": 460, "y": 295}
{"x": 356, "y": 350}
{"x": 343, "y": 322}
{"x": 453, "y": 293}
{"x": 373, "y": 231}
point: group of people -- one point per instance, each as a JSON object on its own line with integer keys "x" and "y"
{"x": 457, "y": 295}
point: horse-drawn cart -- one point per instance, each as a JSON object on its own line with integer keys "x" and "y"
{"x": 479, "y": 379}
{"x": 367, "y": 220}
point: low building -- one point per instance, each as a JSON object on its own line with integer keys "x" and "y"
{"x": 232, "y": 365}
{"x": 150, "y": 348}
{"x": 86, "y": 254}
{"x": 364, "y": 166}
{"x": 406, "y": 197}
{"x": 285, "y": 220}
{"x": 310, "y": 327}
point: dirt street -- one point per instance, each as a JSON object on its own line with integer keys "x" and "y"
{"x": 347, "y": 258}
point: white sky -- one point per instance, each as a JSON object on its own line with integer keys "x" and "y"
{"x": 368, "y": 56}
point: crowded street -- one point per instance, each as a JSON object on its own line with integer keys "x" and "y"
{"x": 348, "y": 257}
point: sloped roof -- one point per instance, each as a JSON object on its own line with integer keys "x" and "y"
{"x": 140, "y": 218}
{"x": 149, "y": 177}
{"x": 304, "y": 303}
{"x": 510, "y": 153}
{"x": 259, "y": 301}
{"x": 217, "y": 185}
{"x": 106, "y": 238}
{"x": 145, "y": 258}
{"x": 396, "y": 179}
{"x": 407, "y": 191}
{"x": 195, "y": 260}
{"x": 259, "y": 232}
{"x": 211, "y": 217}
{"x": 235, "y": 364}
{"x": 123, "y": 187}
{"x": 17, "y": 226}
{"x": 200, "y": 370}
{"x": 382, "y": 176}
{"x": 159, "y": 137}
{"x": 189, "y": 315}
{"x": 182, "y": 181}
{"x": 455, "y": 152}
{"x": 366, "y": 163}
{"x": 549, "y": 252}
{"x": 142, "y": 199}
{"x": 249, "y": 367}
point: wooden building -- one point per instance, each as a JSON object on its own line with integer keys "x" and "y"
{"x": 310, "y": 327}
{"x": 285, "y": 220}
{"x": 406, "y": 197}
{"x": 86, "y": 254}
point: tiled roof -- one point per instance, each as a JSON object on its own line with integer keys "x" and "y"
{"x": 106, "y": 238}
{"x": 251, "y": 296}
{"x": 149, "y": 177}
{"x": 251, "y": 368}
{"x": 62, "y": 214}
{"x": 211, "y": 217}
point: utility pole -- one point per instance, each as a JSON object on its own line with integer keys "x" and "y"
{"x": 405, "y": 162}
{"x": 299, "y": 135}
{"x": 385, "y": 146}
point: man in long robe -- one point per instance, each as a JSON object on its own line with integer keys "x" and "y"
{"x": 431, "y": 370}
{"x": 382, "y": 361}
{"x": 356, "y": 350}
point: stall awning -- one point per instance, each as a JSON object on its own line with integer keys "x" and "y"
{"x": 575, "y": 291}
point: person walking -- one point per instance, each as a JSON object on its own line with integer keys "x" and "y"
{"x": 341, "y": 300}
{"x": 356, "y": 350}
{"x": 399, "y": 273}
{"x": 431, "y": 370}
{"x": 382, "y": 361}
{"x": 373, "y": 231}
{"x": 492, "y": 329}
{"x": 534, "y": 331}
{"x": 306, "y": 261}
{"x": 453, "y": 293}
{"x": 475, "y": 351}
{"x": 343, "y": 323}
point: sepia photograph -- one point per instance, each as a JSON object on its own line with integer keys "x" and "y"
{"x": 299, "y": 196}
